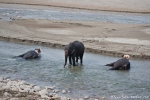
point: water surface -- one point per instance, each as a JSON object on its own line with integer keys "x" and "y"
{"x": 91, "y": 79}
{"x": 7, "y": 13}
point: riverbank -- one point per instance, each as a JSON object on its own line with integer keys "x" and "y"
{"x": 98, "y": 37}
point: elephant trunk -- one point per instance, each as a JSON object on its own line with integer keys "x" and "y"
{"x": 65, "y": 60}
{"x": 66, "y": 55}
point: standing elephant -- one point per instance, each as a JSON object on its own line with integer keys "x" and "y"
{"x": 74, "y": 50}
{"x": 32, "y": 54}
{"x": 121, "y": 64}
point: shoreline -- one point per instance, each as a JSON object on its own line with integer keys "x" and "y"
{"x": 61, "y": 46}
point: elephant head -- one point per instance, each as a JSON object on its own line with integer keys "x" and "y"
{"x": 69, "y": 50}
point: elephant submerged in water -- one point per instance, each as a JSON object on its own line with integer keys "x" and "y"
{"x": 121, "y": 64}
{"x": 74, "y": 50}
{"x": 32, "y": 54}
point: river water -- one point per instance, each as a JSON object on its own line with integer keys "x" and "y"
{"x": 90, "y": 79}
{"x": 7, "y": 13}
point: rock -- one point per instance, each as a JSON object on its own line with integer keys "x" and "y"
{"x": 4, "y": 98}
{"x": 6, "y": 78}
{"x": 37, "y": 88}
{"x": 22, "y": 87}
{"x": 1, "y": 85}
{"x": 54, "y": 94}
{"x": 50, "y": 87}
{"x": 27, "y": 88}
{"x": 21, "y": 82}
{"x": 69, "y": 91}
{"x": 20, "y": 95}
{"x": 43, "y": 92}
{"x": 4, "y": 14}
{"x": 14, "y": 88}
{"x": 103, "y": 98}
{"x": 6, "y": 94}
{"x": 1, "y": 79}
{"x": 56, "y": 98}
{"x": 64, "y": 98}
{"x": 55, "y": 91}
{"x": 9, "y": 83}
{"x": 44, "y": 96}
{"x": 50, "y": 95}
{"x": 5, "y": 87}
{"x": 63, "y": 91}
{"x": 14, "y": 99}
{"x": 18, "y": 16}
{"x": 81, "y": 99}
{"x": 86, "y": 97}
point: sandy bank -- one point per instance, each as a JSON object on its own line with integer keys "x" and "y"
{"x": 104, "y": 38}
{"x": 134, "y": 6}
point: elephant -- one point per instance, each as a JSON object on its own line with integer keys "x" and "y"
{"x": 121, "y": 64}
{"x": 74, "y": 50}
{"x": 32, "y": 54}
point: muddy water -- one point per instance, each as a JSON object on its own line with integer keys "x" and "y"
{"x": 91, "y": 79}
{"x": 7, "y": 13}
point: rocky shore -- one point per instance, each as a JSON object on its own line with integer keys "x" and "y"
{"x": 13, "y": 89}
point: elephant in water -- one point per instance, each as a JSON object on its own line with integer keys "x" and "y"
{"x": 74, "y": 50}
{"x": 121, "y": 64}
{"x": 32, "y": 54}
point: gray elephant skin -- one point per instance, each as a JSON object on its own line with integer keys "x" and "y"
{"x": 121, "y": 64}
{"x": 32, "y": 54}
{"x": 74, "y": 50}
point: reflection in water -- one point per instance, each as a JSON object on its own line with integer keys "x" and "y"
{"x": 92, "y": 78}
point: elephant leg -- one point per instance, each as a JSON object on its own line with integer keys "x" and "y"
{"x": 70, "y": 60}
{"x": 35, "y": 56}
{"x": 125, "y": 67}
{"x": 111, "y": 64}
{"x": 76, "y": 58}
{"x": 21, "y": 55}
{"x": 128, "y": 66}
{"x": 73, "y": 58}
{"x": 81, "y": 57}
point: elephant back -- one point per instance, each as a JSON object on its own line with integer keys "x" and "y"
{"x": 121, "y": 62}
{"x": 79, "y": 47}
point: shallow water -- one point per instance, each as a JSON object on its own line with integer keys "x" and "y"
{"x": 91, "y": 79}
{"x": 7, "y": 13}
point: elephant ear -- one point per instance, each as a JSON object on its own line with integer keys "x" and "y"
{"x": 66, "y": 52}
